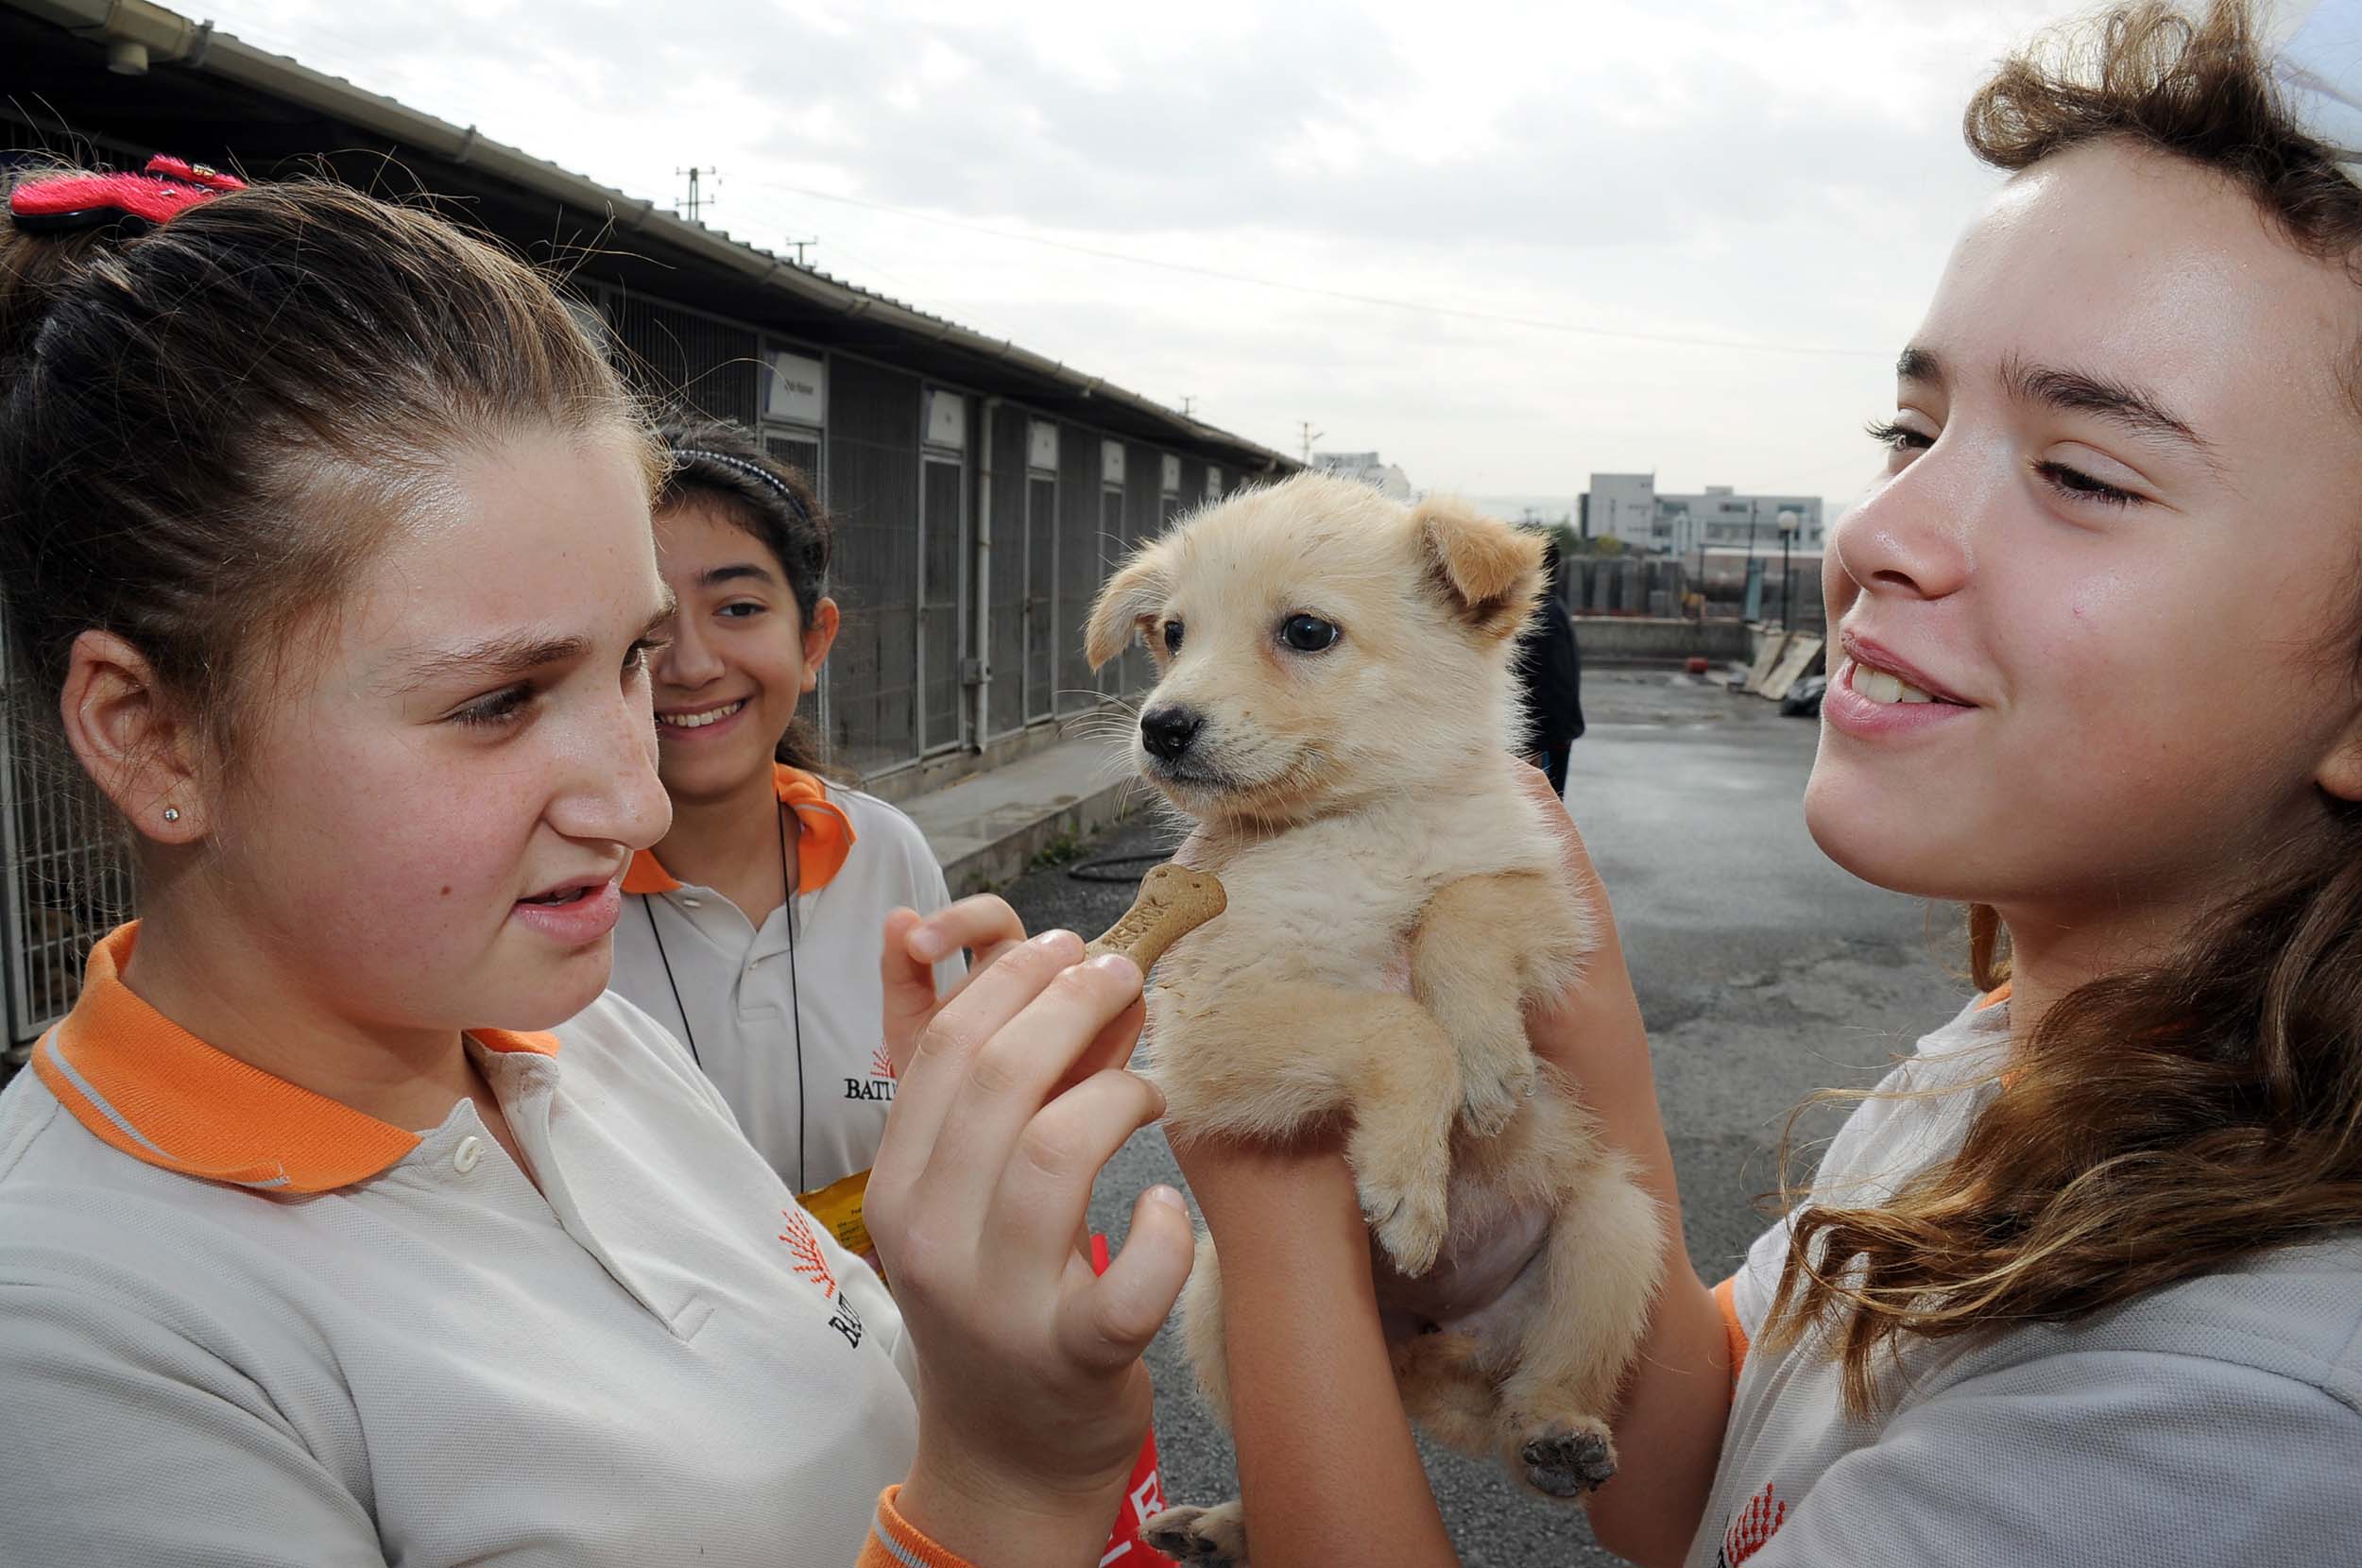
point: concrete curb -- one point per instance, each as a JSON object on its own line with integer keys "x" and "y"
{"x": 1007, "y": 859}
{"x": 985, "y": 829}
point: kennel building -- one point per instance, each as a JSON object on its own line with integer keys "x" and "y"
{"x": 983, "y": 491}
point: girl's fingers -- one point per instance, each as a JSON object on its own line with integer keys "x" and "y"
{"x": 914, "y": 947}
{"x": 1112, "y": 1047}
{"x": 985, "y": 956}
{"x": 910, "y": 989}
{"x": 984, "y": 923}
{"x": 1045, "y": 1190}
{"x": 1010, "y": 1077}
{"x": 1106, "y": 1323}
{"x": 945, "y": 1046}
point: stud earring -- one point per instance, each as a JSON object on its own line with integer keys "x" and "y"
{"x": 172, "y": 813}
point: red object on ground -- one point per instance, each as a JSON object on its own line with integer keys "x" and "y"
{"x": 1697, "y": 666}
{"x": 1143, "y": 1496}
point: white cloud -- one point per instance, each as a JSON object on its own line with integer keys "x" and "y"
{"x": 1772, "y": 171}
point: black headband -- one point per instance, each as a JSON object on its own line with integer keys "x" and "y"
{"x": 753, "y": 470}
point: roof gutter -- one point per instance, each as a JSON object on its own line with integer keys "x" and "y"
{"x": 165, "y": 37}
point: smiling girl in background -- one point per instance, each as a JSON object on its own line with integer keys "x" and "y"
{"x": 752, "y": 929}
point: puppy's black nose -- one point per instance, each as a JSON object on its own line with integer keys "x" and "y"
{"x": 1167, "y": 731}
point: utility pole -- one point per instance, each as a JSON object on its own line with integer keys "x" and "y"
{"x": 1304, "y": 428}
{"x": 1188, "y": 406}
{"x": 801, "y": 245}
{"x": 695, "y": 203}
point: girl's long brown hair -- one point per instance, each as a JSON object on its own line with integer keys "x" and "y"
{"x": 2161, "y": 1122}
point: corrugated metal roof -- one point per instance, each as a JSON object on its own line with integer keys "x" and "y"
{"x": 170, "y": 38}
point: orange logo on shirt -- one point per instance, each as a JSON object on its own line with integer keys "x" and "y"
{"x": 1756, "y": 1523}
{"x": 813, "y": 1264}
{"x": 805, "y": 1247}
{"x": 881, "y": 1065}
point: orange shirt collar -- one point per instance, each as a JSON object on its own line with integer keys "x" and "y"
{"x": 824, "y": 838}
{"x": 144, "y": 1084}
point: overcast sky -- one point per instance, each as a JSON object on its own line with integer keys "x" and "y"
{"x": 1743, "y": 207}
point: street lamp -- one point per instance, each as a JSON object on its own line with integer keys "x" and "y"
{"x": 1789, "y": 521}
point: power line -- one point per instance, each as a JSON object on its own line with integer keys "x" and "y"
{"x": 1461, "y": 313}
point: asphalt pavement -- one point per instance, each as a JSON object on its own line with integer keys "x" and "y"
{"x": 1763, "y": 970}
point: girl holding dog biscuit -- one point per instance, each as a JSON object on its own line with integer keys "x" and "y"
{"x": 344, "y": 1220}
{"x": 2082, "y": 1282}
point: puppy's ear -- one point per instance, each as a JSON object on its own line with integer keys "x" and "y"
{"x": 1137, "y": 589}
{"x": 1487, "y": 571}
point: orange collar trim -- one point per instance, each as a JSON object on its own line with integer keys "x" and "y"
{"x": 1993, "y": 997}
{"x": 147, "y": 1086}
{"x": 824, "y": 837}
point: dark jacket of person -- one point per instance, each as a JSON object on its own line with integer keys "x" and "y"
{"x": 1552, "y": 668}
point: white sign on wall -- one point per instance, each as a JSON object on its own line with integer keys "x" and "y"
{"x": 1111, "y": 462}
{"x": 1172, "y": 484}
{"x": 947, "y": 419}
{"x": 800, "y": 390}
{"x": 1041, "y": 445}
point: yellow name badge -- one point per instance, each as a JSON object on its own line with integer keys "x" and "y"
{"x": 838, "y": 1206}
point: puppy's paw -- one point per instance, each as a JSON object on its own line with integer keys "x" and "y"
{"x": 1568, "y": 1459}
{"x": 1200, "y": 1538}
{"x": 1408, "y": 1217}
{"x": 1492, "y": 1095}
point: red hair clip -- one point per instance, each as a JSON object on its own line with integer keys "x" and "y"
{"x": 167, "y": 188}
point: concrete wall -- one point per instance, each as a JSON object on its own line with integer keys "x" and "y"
{"x": 1638, "y": 639}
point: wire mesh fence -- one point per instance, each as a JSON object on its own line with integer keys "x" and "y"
{"x": 68, "y": 878}
{"x": 1041, "y": 594}
{"x": 676, "y": 357}
{"x": 1081, "y": 568}
{"x": 943, "y": 551}
{"x": 873, "y": 494}
{"x": 1006, "y": 591}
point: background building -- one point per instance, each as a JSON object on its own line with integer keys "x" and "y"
{"x": 1618, "y": 506}
{"x": 1386, "y": 478}
{"x": 982, "y": 491}
{"x": 1628, "y": 506}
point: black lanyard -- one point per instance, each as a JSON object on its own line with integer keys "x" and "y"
{"x": 795, "y": 993}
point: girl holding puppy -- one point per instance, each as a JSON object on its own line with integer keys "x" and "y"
{"x": 2082, "y": 1284}
{"x": 344, "y": 1222}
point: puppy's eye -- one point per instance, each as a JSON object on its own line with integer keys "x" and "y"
{"x": 1172, "y": 637}
{"x": 1307, "y": 634}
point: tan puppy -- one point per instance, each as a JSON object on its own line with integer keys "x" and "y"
{"x": 1334, "y": 709}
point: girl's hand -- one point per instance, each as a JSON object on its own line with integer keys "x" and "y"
{"x": 985, "y": 924}
{"x": 1032, "y": 1401}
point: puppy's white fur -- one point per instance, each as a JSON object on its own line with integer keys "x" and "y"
{"x": 1358, "y": 804}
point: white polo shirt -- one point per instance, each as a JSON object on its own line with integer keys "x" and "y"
{"x": 243, "y": 1325}
{"x": 2216, "y": 1420}
{"x": 786, "y": 1018}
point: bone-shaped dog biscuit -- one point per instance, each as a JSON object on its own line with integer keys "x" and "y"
{"x": 1173, "y": 901}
